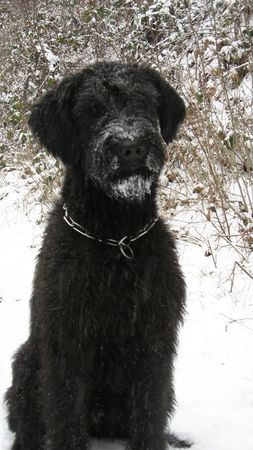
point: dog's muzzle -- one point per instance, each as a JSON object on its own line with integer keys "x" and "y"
{"x": 129, "y": 157}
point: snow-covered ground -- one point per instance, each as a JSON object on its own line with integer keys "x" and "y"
{"x": 214, "y": 369}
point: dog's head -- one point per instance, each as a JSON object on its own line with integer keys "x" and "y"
{"x": 110, "y": 122}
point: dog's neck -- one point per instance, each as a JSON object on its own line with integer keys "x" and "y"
{"x": 95, "y": 211}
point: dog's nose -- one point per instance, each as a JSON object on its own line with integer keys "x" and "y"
{"x": 132, "y": 153}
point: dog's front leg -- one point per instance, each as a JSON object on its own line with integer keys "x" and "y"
{"x": 65, "y": 397}
{"x": 152, "y": 402}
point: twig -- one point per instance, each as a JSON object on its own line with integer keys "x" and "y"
{"x": 211, "y": 251}
{"x": 237, "y": 321}
{"x": 244, "y": 270}
{"x": 233, "y": 279}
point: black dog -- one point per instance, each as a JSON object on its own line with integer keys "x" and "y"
{"x": 108, "y": 293}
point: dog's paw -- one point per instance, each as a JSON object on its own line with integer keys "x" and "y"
{"x": 147, "y": 443}
{"x": 176, "y": 442}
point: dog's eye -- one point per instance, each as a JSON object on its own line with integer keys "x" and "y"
{"x": 96, "y": 108}
{"x": 89, "y": 106}
{"x": 144, "y": 98}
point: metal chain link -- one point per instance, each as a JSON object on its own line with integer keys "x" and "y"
{"x": 123, "y": 244}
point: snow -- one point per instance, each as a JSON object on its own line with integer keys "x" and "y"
{"x": 121, "y": 130}
{"x": 133, "y": 188}
{"x": 214, "y": 368}
{"x": 52, "y": 59}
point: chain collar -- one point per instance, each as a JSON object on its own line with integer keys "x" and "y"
{"x": 123, "y": 244}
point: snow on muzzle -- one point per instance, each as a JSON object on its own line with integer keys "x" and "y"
{"x": 128, "y": 157}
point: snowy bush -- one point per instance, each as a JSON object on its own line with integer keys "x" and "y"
{"x": 205, "y": 50}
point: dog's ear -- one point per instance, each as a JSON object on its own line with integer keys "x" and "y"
{"x": 171, "y": 111}
{"x": 52, "y": 120}
{"x": 171, "y": 108}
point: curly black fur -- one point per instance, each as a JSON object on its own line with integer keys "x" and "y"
{"x": 103, "y": 334}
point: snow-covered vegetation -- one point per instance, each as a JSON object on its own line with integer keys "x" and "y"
{"x": 205, "y": 49}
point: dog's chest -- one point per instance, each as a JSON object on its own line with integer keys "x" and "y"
{"x": 121, "y": 293}
{"x": 110, "y": 295}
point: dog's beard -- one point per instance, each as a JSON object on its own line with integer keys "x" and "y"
{"x": 122, "y": 182}
{"x": 134, "y": 187}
